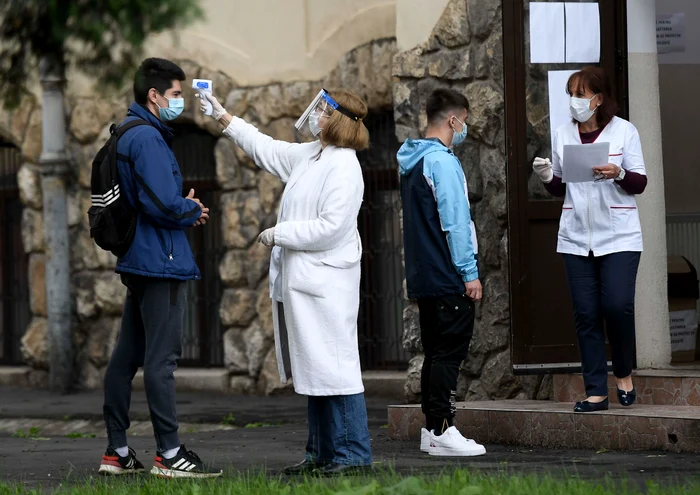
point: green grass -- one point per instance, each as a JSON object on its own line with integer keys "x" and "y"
{"x": 76, "y": 434}
{"x": 229, "y": 420}
{"x": 33, "y": 432}
{"x": 263, "y": 425}
{"x": 456, "y": 483}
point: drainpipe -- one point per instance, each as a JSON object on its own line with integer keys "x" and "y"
{"x": 54, "y": 170}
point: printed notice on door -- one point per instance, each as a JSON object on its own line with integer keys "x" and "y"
{"x": 670, "y": 33}
{"x": 684, "y": 328}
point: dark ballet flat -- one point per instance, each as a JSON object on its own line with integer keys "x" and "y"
{"x": 585, "y": 406}
{"x": 626, "y": 398}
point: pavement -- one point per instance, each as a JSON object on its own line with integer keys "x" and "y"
{"x": 248, "y": 433}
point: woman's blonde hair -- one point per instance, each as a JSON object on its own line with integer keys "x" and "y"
{"x": 342, "y": 131}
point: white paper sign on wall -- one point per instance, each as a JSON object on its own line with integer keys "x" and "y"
{"x": 564, "y": 32}
{"x": 670, "y": 33}
{"x": 684, "y": 328}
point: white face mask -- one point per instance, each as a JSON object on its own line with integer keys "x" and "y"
{"x": 314, "y": 119}
{"x": 580, "y": 108}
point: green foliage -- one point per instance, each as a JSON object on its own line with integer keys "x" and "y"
{"x": 102, "y": 38}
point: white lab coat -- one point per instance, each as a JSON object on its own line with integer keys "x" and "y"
{"x": 315, "y": 264}
{"x": 600, "y": 216}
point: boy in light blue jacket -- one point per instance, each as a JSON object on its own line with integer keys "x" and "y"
{"x": 441, "y": 264}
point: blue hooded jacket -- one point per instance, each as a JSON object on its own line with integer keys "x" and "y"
{"x": 440, "y": 244}
{"x": 151, "y": 180}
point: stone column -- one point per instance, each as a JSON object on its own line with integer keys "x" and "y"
{"x": 653, "y": 337}
{"x": 54, "y": 170}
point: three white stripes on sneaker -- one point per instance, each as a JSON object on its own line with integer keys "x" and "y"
{"x": 184, "y": 465}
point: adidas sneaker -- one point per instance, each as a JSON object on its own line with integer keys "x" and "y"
{"x": 186, "y": 464}
{"x": 114, "y": 465}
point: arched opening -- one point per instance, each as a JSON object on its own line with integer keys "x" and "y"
{"x": 14, "y": 262}
{"x": 202, "y": 333}
{"x": 382, "y": 298}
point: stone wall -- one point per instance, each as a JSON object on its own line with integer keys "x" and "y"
{"x": 249, "y": 204}
{"x": 464, "y": 52}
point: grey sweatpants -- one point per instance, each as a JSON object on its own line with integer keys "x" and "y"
{"x": 150, "y": 336}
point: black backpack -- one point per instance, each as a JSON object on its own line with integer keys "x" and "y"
{"x": 112, "y": 218}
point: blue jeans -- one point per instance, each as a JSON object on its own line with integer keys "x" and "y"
{"x": 602, "y": 288}
{"x": 338, "y": 430}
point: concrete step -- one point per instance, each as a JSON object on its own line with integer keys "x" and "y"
{"x": 386, "y": 384}
{"x": 554, "y": 425}
{"x": 668, "y": 387}
{"x": 14, "y": 376}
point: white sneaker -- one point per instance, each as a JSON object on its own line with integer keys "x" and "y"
{"x": 425, "y": 440}
{"x": 452, "y": 443}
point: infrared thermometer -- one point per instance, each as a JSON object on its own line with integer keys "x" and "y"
{"x": 203, "y": 86}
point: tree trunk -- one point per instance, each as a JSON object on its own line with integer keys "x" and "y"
{"x": 54, "y": 169}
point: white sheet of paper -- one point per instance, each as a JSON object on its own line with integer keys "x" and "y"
{"x": 559, "y": 113}
{"x": 582, "y": 33}
{"x": 547, "y": 33}
{"x": 579, "y": 159}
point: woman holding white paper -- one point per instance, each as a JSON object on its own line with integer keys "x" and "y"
{"x": 600, "y": 235}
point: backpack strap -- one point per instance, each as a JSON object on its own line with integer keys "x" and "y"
{"x": 129, "y": 125}
{"x": 119, "y": 132}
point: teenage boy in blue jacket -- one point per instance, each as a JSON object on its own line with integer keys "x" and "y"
{"x": 155, "y": 271}
{"x": 441, "y": 270}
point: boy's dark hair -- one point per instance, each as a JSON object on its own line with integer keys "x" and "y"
{"x": 155, "y": 73}
{"x": 443, "y": 101}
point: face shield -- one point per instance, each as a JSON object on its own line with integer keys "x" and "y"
{"x": 322, "y": 105}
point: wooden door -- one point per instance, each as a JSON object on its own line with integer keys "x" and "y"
{"x": 543, "y": 335}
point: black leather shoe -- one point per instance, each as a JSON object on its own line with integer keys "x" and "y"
{"x": 304, "y": 467}
{"x": 585, "y": 406}
{"x": 626, "y": 398}
{"x": 334, "y": 469}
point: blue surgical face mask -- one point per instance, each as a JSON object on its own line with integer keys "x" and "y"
{"x": 173, "y": 110}
{"x": 458, "y": 137}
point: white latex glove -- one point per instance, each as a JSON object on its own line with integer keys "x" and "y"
{"x": 543, "y": 168}
{"x": 267, "y": 237}
{"x": 217, "y": 111}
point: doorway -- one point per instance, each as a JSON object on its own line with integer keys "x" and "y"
{"x": 543, "y": 334}
{"x": 14, "y": 262}
{"x": 202, "y": 343}
{"x": 380, "y": 325}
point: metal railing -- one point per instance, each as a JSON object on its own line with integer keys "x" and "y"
{"x": 202, "y": 333}
{"x": 15, "y": 313}
{"x": 382, "y": 298}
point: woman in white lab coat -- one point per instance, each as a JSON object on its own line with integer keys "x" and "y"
{"x": 315, "y": 273}
{"x": 599, "y": 234}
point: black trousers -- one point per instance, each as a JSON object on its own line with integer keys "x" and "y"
{"x": 150, "y": 336}
{"x": 447, "y": 325}
{"x": 603, "y": 288}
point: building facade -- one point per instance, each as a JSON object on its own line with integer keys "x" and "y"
{"x": 267, "y": 60}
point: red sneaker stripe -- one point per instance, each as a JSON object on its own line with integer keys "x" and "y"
{"x": 158, "y": 464}
{"x": 110, "y": 458}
